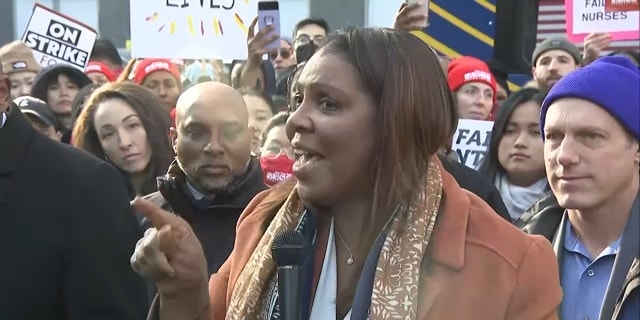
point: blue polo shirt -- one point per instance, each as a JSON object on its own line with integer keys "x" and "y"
{"x": 584, "y": 280}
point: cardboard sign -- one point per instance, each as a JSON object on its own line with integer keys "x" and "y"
{"x": 190, "y": 29}
{"x": 588, "y": 16}
{"x": 56, "y": 38}
{"x": 471, "y": 141}
{"x": 621, "y": 5}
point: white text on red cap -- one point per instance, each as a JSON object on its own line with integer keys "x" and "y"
{"x": 477, "y": 75}
{"x": 155, "y": 66}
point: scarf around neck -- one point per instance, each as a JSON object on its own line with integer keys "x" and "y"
{"x": 398, "y": 267}
{"x": 519, "y": 199}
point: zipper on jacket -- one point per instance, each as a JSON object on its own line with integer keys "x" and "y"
{"x": 634, "y": 275}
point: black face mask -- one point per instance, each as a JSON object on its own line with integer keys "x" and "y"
{"x": 305, "y": 51}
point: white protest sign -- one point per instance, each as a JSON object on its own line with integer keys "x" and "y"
{"x": 191, "y": 29}
{"x": 588, "y": 16}
{"x": 471, "y": 141}
{"x": 56, "y": 38}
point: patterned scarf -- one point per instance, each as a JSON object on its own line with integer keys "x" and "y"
{"x": 398, "y": 271}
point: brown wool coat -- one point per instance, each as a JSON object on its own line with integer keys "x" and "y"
{"x": 480, "y": 267}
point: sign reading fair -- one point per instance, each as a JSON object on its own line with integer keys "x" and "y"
{"x": 588, "y": 16}
{"x": 55, "y": 38}
{"x": 471, "y": 141}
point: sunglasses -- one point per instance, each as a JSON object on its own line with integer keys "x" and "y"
{"x": 305, "y": 39}
{"x": 284, "y": 53}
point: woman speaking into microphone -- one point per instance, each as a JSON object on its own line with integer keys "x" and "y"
{"x": 392, "y": 235}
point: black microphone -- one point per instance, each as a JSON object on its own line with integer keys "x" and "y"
{"x": 290, "y": 250}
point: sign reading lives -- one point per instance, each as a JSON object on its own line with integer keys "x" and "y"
{"x": 191, "y": 29}
{"x": 471, "y": 141}
{"x": 588, "y": 16}
{"x": 55, "y": 38}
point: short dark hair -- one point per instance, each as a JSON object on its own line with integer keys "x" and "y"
{"x": 104, "y": 49}
{"x": 81, "y": 97}
{"x": 279, "y": 119}
{"x": 305, "y": 22}
{"x": 245, "y": 91}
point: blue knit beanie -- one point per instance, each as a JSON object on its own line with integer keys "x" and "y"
{"x": 612, "y": 83}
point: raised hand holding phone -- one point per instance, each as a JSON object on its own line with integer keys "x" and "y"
{"x": 419, "y": 12}
{"x": 269, "y": 16}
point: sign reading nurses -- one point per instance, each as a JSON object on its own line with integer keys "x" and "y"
{"x": 588, "y": 16}
{"x": 471, "y": 141}
{"x": 56, "y": 38}
{"x": 191, "y": 29}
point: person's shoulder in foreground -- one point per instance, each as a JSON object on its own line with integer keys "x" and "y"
{"x": 82, "y": 233}
{"x": 479, "y": 260}
{"x": 471, "y": 180}
{"x": 476, "y": 259}
{"x": 103, "y": 285}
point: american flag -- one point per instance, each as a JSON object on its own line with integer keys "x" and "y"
{"x": 551, "y": 23}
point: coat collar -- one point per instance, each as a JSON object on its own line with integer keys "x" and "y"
{"x": 15, "y": 138}
{"x": 449, "y": 236}
{"x": 173, "y": 188}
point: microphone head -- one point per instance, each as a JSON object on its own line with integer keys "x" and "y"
{"x": 289, "y": 248}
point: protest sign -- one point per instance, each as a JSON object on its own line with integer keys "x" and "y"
{"x": 56, "y": 38}
{"x": 191, "y": 29}
{"x": 588, "y": 16}
{"x": 471, "y": 141}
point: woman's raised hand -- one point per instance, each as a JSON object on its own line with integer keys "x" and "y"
{"x": 170, "y": 255}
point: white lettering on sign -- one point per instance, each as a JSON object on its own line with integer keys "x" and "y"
{"x": 471, "y": 141}
{"x": 55, "y": 48}
{"x": 477, "y": 75}
{"x": 56, "y": 38}
{"x": 588, "y": 16}
{"x": 63, "y": 32}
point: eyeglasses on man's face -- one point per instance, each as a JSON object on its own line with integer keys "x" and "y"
{"x": 318, "y": 40}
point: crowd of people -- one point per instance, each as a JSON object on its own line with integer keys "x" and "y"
{"x": 155, "y": 189}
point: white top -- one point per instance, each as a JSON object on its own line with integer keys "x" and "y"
{"x": 324, "y": 302}
{"x": 4, "y": 119}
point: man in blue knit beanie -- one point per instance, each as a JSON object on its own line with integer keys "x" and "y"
{"x": 590, "y": 123}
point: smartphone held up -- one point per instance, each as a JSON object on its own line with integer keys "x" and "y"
{"x": 269, "y": 15}
{"x": 421, "y": 10}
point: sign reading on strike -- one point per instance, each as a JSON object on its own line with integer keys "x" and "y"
{"x": 56, "y": 38}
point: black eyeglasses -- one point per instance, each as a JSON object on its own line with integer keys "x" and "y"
{"x": 285, "y": 53}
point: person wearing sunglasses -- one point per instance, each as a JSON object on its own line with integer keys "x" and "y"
{"x": 283, "y": 59}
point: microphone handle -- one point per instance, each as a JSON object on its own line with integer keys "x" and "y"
{"x": 290, "y": 292}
